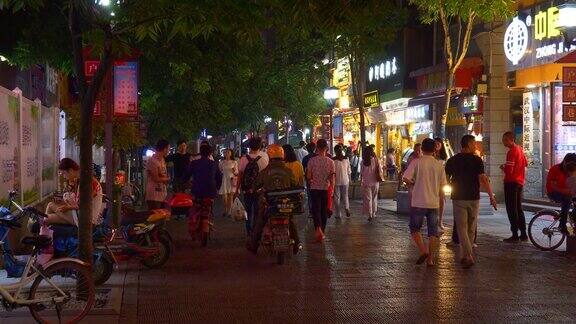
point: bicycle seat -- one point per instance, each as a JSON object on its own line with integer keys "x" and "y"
{"x": 158, "y": 215}
{"x": 39, "y": 241}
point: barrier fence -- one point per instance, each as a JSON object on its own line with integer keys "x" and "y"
{"x": 28, "y": 148}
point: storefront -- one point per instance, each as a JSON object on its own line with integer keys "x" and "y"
{"x": 539, "y": 99}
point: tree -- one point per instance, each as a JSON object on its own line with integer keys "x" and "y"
{"x": 464, "y": 14}
{"x": 358, "y": 31}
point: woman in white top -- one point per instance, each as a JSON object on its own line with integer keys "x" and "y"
{"x": 229, "y": 168}
{"x": 371, "y": 176}
{"x": 343, "y": 171}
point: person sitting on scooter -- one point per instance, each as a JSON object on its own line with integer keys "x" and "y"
{"x": 206, "y": 175}
{"x": 276, "y": 176}
{"x": 63, "y": 211}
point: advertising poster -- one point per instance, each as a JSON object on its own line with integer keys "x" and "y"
{"x": 126, "y": 89}
{"x": 29, "y": 139}
{"x": 9, "y": 128}
{"x": 48, "y": 144}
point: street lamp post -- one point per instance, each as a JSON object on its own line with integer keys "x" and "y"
{"x": 331, "y": 95}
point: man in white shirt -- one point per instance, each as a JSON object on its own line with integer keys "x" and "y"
{"x": 427, "y": 177}
{"x": 301, "y": 151}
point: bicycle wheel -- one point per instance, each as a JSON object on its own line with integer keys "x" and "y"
{"x": 544, "y": 233}
{"x": 157, "y": 260}
{"x": 75, "y": 281}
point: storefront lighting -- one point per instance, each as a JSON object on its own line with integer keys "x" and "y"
{"x": 306, "y": 131}
{"x": 104, "y": 3}
{"x": 149, "y": 153}
{"x": 531, "y": 86}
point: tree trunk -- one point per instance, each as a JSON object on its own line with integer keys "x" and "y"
{"x": 448, "y": 95}
{"x": 358, "y": 69}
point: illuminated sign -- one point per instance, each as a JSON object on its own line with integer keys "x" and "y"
{"x": 383, "y": 70}
{"x": 534, "y": 36}
{"x": 371, "y": 100}
{"x": 417, "y": 113}
{"x": 527, "y": 121}
{"x": 469, "y": 104}
{"x": 342, "y": 73}
{"x": 569, "y": 113}
{"x": 126, "y": 89}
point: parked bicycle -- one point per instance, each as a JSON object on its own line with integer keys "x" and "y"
{"x": 544, "y": 231}
{"x": 62, "y": 290}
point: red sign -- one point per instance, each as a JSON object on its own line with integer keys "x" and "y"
{"x": 569, "y": 75}
{"x": 568, "y": 93}
{"x": 97, "y": 108}
{"x": 569, "y": 113}
{"x": 90, "y": 68}
{"x": 126, "y": 89}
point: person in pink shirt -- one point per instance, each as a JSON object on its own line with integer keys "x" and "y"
{"x": 320, "y": 173}
{"x": 371, "y": 176}
{"x": 514, "y": 178}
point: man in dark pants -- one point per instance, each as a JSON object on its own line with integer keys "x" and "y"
{"x": 181, "y": 160}
{"x": 514, "y": 178}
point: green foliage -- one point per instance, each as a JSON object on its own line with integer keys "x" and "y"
{"x": 487, "y": 10}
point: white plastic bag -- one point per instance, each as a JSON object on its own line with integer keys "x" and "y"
{"x": 238, "y": 211}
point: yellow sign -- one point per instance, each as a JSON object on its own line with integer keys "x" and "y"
{"x": 546, "y": 24}
{"x": 371, "y": 99}
{"x": 455, "y": 118}
{"x": 342, "y": 74}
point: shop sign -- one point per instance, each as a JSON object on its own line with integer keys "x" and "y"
{"x": 383, "y": 70}
{"x": 422, "y": 128}
{"x": 342, "y": 73}
{"x": 469, "y": 104}
{"x": 568, "y": 84}
{"x": 338, "y": 127}
{"x": 569, "y": 113}
{"x": 417, "y": 113}
{"x": 455, "y": 118}
{"x": 371, "y": 100}
{"x": 534, "y": 36}
{"x": 527, "y": 121}
{"x": 431, "y": 82}
{"x": 400, "y": 103}
{"x": 397, "y": 117}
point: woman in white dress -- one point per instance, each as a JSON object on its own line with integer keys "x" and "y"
{"x": 229, "y": 168}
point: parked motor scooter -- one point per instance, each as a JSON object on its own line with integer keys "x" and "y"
{"x": 180, "y": 205}
{"x": 280, "y": 207}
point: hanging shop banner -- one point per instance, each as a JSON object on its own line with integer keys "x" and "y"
{"x": 469, "y": 105}
{"x": 338, "y": 127}
{"x": 536, "y": 35}
{"x": 342, "y": 73}
{"x": 422, "y": 128}
{"x": 568, "y": 84}
{"x": 396, "y": 117}
{"x": 417, "y": 113}
{"x": 29, "y": 139}
{"x": 371, "y": 100}
{"x": 126, "y": 89}
{"x": 527, "y": 121}
{"x": 455, "y": 117}
{"x": 9, "y": 148}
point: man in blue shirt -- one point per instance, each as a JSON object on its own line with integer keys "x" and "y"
{"x": 206, "y": 175}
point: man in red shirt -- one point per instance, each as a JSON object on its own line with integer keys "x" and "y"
{"x": 557, "y": 188}
{"x": 514, "y": 178}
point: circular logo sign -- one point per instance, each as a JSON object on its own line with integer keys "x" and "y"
{"x": 516, "y": 40}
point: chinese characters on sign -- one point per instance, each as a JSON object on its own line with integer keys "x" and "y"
{"x": 371, "y": 100}
{"x": 527, "y": 120}
{"x": 383, "y": 70}
{"x": 569, "y": 93}
{"x": 569, "y": 113}
{"x": 126, "y": 89}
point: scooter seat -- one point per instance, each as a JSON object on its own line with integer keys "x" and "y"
{"x": 39, "y": 241}
{"x": 159, "y": 215}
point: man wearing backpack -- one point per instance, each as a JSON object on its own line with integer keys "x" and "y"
{"x": 249, "y": 167}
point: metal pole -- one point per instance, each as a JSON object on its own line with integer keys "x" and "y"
{"x": 331, "y": 131}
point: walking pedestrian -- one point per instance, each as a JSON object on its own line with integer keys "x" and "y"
{"x": 427, "y": 177}
{"x": 355, "y": 165}
{"x": 249, "y": 167}
{"x": 301, "y": 151}
{"x": 292, "y": 163}
{"x": 229, "y": 168}
{"x": 465, "y": 172}
{"x": 343, "y": 172}
{"x": 320, "y": 175}
{"x": 157, "y": 176}
{"x": 514, "y": 178}
{"x": 371, "y": 176}
{"x": 181, "y": 161}
{"x": 391, "y": 167}
{"x": 557, "y": 188}
{"x": 416, "y": 153}
{"x": 441, "y": 155}
{"x": 311, "y": 149}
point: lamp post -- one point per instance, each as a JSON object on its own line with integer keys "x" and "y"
{"x": 331, "y": 95}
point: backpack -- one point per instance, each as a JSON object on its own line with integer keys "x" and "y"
{"x": 250, "y": 173}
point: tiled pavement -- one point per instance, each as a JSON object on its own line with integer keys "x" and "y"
{"x": 364, "y": 272}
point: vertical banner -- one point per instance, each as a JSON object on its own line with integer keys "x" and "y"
{"x": 9, "y": 129}
{"x": 126, "y": 89}
{"x": 527, "y": 123}
{"x": 30, "y": 157}
{"x": 48, "y": 157}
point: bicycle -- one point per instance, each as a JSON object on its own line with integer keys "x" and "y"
{"x": 544, "y": 231}
{"x": 62, "y": 290}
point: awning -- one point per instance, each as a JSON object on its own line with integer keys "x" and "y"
{"x": 433, "y": 98}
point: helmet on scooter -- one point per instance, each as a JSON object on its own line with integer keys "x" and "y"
{"x": 275, "y": 151}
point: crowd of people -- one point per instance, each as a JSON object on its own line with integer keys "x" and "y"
{"x": 427, "y": 172}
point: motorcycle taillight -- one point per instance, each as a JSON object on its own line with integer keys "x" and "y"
{"x": 279, "y": 221}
